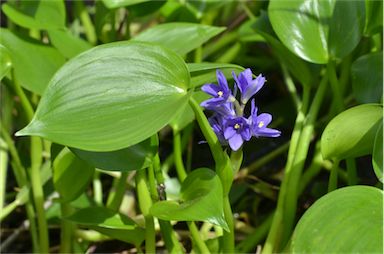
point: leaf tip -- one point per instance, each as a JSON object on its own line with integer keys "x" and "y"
{"x": 31, "y": 129}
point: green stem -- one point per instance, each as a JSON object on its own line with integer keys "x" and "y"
{"x": 177, "y": 151}
{"x": 3, "y": 171}
{"x": 300, "y": 139}
{"x": 89, "y": 29}
{"x": 117, "y": 194}
{"x": 228, "y": 243}
{"x": 170, "y": 238}
{"x": 5, "y": 211}
{"x": 36, "y": 160}
{"x": 313, "y": 169}
{"x": 224, "y": 40}
{"x": 249, "y": 243}
{"x": 67, "y": 229}
{"x": 266, "y": 158}
{"x": 332, "y": 76}
{"x": 145, "y": 203}
{"x": 97, "y": 189}
{"x": 352, "y": 171}
{"x": 291, "y": 86}
{"x": 332, "y": 184}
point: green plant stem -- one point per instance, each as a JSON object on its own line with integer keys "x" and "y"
{"x": 21, "y": 179}
{"x": 3, "y": 171}
{"x": 336, "y": 90}
{"x": 291, "y": 86}
{"x": 145, "y": 203}
{"x": 224, "y": 40}
{"x": 67, "y": 228}
{"x": 36, "y": 160}
{"x": 118, "y": 194}
{"x": 228, "y": 239}
{"x": 249, "y": 243}
{"x": 313, "y": 169}
{"x": 224, "y": 170}
{"x": 177, "y": 151}
{"x": 97, "y": 188}
{"x": 89, "y": 29}
{"x": 286, "y": 206}
{"x": 266, "y": 158}
{"x": 332, "y": 184}
{"x": 170, "y": 238}
{"x": 5, "y": 211}
{"x": 352, "y": 171}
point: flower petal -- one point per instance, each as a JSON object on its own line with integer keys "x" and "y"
{"x": 235, "y": 142}
{"x": 211, "y": 89}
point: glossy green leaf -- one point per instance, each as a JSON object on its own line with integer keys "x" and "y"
{"x": 298, "y": 67}
{"x": 318, "y": 30}
{"x": 203, "y": 73}
{"x": 34, "y": 63}
{"x": 180, "y": 37}
{"x": 201, "y": 199}
{"x": 373, "y": 17}
{"x": 5, "y": 61}
{"x": 377, "y": 155}
{"x": 109, "y": 223}
{"x": 37, "y": 14}
{"x": 352, "y": 132}
{"x": 347, "y": 220}
{"x": 367, "y": 78}
{"x": 112, "y": 4}
{"x": 131, "y": 158}
{"x": 71, "y": 175}
{"x": 68, "y": 44}
{"x": 111, "y": 97}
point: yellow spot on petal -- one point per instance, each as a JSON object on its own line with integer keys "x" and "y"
{"x": 237, "y": 126}
{"x": 261, "y": 124}
{"x": 220, "y": 93}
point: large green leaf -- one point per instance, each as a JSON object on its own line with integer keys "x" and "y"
{"x": 68, "y": 44}
{"x": 352, "y": 132}
{"x": 131, "y": 158}
{"x": 201, "y": 199}
{"x": 5, "y": 61}
{"x": 111, "y": 97}
{"x": 34, "y": 63}
{"x": 109, "y": 223}
{"x": 37, "y": 14}
{"x": 377, "y": 155}
{"x": 71, "y": 175}
{"x": 180, "y": 37}
{"x": 347, "y": 220}
{"x": 318, "y": 30}
{"x": 367, "y": 77}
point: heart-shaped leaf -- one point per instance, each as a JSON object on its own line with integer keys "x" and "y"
{"x": 109, "y": 223}
{"x": 201, "y": 199}
{"x": 34, "y": 63}
{"x": 37, "y": 14}
{"x": 352, "y": 132}
{"x": 377, "y": 155}
{"x": 347, "y": 220}
{"x": 71, "y": 175}
{"x": 367, "y": 77}
{"x": 318, "y": 30}
{"x": 180, "y": 37}
{"x": 111, "y": 97}
{"x": 131, "y": 158}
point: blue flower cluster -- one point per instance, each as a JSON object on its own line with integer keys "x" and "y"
{"x": 228, "y": 121}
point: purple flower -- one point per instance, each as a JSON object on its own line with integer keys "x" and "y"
{"x": 225, "y": 109}
{"x": 236, "y": 131}
{"x": 216, "y": 123}
{"x": 220, "y": 93}
{"x": 260, "y": 122}
{"x": 247, "y": 85}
